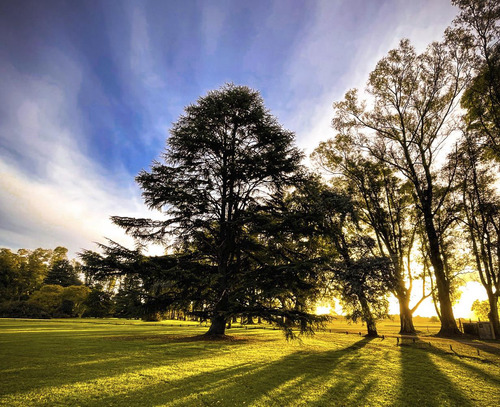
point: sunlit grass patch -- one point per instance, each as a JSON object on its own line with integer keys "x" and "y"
{"x": 140, "y": 364}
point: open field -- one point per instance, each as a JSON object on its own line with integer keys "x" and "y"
{"x": 131, "y": 363}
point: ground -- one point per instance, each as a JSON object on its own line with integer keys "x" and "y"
{"x": 131, "y": 363}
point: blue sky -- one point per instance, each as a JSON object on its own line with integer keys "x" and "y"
{"x": 89, "y": 89}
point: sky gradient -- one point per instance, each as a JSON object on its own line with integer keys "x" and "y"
{"x": 89, "y": 89}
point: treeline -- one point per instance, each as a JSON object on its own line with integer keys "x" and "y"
{"x": 44, "y": 283}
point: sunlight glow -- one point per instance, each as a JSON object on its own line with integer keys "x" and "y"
{"x": 471, "y": 291}
{"x": 323, "y": 310}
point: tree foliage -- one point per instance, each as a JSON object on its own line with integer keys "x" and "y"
{"x": 478, "y": 25}
{"x": 23, "y": 272}
{"x": 357, "y": 274}
{"x": 62, "y": 273}
{"x": 481, "y": 309}
{"x": 59, "y": 301}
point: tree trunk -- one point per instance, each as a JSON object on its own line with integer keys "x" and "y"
{"x": 405, "y": 316}
{"x": 493, "y": 314}
{"x": 371, "y": 325}
{"x": 448, "y": 324}
{"x": 217, "y": 326}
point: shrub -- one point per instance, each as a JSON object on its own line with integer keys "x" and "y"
{"x": 22, "y": 309}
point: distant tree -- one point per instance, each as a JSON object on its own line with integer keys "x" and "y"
{"x": 10, "y": 284}
{"x": 98, "y": 304}
{"x": 21, "y": 309}
{"x": 22, "y": 273}
{"x": 58, "y": 254}
{"x": 49, "y": 298}
{"x": 481, "y": 309}
{"x": 413, "y": 97}
{"x": 73, "y": 300}
{"x": 62, "y": 273}
{"x": 227, "y": 157}
{"x": 129, "y": 298}
{"x": 34, "y": 268}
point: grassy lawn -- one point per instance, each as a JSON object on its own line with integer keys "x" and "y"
{"x": 131, "y": 363}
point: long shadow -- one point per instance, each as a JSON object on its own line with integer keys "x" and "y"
{"x": 282, "y": 382}
{"x": 481, "y": 346}
{"x": 94, "y": 359}
{"x": 423, "y": 383}
{"x": 460, "y": 360}
{"x": 485, "y": 377}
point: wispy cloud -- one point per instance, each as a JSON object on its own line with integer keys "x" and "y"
{"x": 341, "y": 46}
{"x": 142, "y": 61}
{"x": 52, "y": 192}
{"x": 213, "y": 18}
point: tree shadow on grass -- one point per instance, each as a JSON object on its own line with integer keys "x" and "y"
{"x": 346, "y": 376}
{"x": 481, "y": 346}
{"x": 100, "y": 359}
{"x": 311, "y": 378}
{"x": 460, "y": 363}
{"x": 424, "y": 383}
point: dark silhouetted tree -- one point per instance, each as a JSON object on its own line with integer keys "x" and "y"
{"x": 228, "y": 160}
{"x": 359, "y": 275}
{"x": 98, "y": 303}
{"x": 129, "y": 297}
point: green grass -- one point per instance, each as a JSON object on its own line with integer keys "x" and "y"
{"x": 131, "y": 363}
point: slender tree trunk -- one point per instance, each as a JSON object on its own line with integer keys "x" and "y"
{"x": 217, "y": 326}
{"x": 405, "y": 316}
{"x": 448, "y": 324}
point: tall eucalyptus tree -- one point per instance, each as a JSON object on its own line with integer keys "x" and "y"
{"x": 406, "y": 123}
